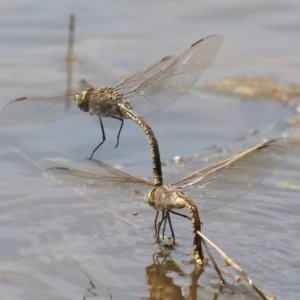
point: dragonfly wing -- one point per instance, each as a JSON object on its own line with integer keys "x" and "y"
{"x": 132, "y": 80}
{"x": 98, "y": 167}
{"x": 107, "y": 121}
{"x": 84, "y": 85}
{"x": 41, "y": 109}
{"x": 217, "y": 186}
{"x": 131, "y": 186}
{"x": 111, "y": 122}
{"x": 176, "y": 78}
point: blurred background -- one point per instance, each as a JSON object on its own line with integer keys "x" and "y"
{"x": 54, "y": 243}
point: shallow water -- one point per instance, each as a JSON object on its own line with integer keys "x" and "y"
{"x": 57, "y": 243}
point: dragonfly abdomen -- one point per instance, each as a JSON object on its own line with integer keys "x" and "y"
{"x": 128, "y": 113}
{"x": 190, "y": 205}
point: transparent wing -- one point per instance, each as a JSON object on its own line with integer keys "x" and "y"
{"x": 131, "y": 186}
{"x": 41, "y": 109}
{"x": 111, "y": 122}
{"x": 107, "y": 122}
{"x": 227, "y": 181}
{"x": 132, "y": 80}
{"x": 84, "y": 85}
{"x": 96, "y": 166}
{"x": 176, "y": 78}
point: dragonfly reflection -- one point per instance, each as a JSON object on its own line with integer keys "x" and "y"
{"x": 210, "y": 187}
{"x": 139, "y": 94}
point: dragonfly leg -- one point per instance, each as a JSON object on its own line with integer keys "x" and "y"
{"x": 155, "y": 222}
{"x": 122, "y": 122}
{"x": 165, "y": 218}
{"x": 178, "y": 214}
{"x": 171, "y": 227}
{"x": 182, "y": 215}
{"x": 165, "y": 223}
{"x": 159, "y": 224}
{"x": 103, "y": 138}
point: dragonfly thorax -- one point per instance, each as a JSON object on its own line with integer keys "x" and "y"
{"x": 167, "y": 197}
{"x": 102, "y": 102}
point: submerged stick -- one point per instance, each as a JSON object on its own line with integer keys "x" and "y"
{"x": 70, "y": 57}
{"x": 228, "y": 260}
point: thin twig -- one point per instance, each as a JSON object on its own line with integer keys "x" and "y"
{"x": 257, "y": 288}
{"x": 214, "y": 263}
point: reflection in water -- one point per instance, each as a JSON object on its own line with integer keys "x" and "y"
{"x": 163, "y": 274}
{"x": 162, "y": 285}
{"x": 90, "y": 289}
{"x": 70, "y": 57}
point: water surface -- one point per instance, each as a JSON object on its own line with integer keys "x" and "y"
{"x": 59, "y": 244}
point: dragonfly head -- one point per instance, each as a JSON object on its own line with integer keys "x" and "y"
{"x": 151, "y": 197}
{"x": 81, "y": 100}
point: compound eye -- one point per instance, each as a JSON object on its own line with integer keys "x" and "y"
{"x": 151, "y": 197}
{"x": 82, "y": 100}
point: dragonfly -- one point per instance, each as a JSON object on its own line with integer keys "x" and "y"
{"x": 203, "y": 190}
{"x": 139, "y": 94}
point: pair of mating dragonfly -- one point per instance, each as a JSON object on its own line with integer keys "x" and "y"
{"x": 143, "y": 93}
